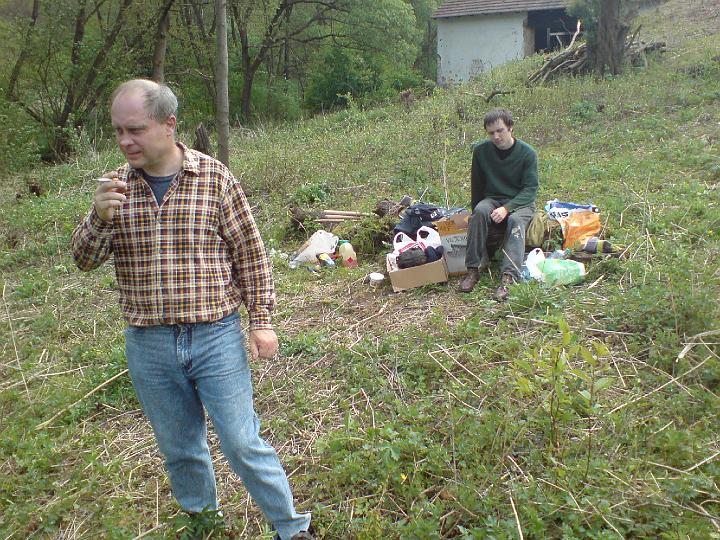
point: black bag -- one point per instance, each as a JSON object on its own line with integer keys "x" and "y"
{"x": 414, "y": 256}
{"x": 420, "y": 214}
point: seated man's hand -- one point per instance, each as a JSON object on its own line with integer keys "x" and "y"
{"x": 499, "y": 214}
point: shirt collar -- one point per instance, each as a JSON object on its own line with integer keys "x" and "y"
{"x": 190, "y": 165}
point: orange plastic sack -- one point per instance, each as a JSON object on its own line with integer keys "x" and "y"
{"x": 579, "y": 225}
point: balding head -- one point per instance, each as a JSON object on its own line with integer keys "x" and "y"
{"x": 159, "y": 101}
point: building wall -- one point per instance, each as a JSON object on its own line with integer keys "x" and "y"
{"x": 467, "y": 46}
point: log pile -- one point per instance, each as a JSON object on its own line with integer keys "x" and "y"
{"x": 574, "y": 60}
{"x": 327, "y": 218}
{"x": 330, "y": 218}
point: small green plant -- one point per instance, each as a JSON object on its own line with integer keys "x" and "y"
{"x": 565, "y": 378}
{"x": 311, "y": 194}
{"x": 208, "y": 524}
{"x": 584, "y": 110}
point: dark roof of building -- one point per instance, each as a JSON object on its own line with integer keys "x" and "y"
{"x": 461, "y": 8}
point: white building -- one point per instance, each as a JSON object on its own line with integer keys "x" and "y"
{"x": 476, "y": 35}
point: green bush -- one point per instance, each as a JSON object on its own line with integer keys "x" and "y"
{"x": 344, "y": 73}
{"x": 19, "y": 148}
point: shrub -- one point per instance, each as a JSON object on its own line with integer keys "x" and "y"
{"x": 18, "y": 136}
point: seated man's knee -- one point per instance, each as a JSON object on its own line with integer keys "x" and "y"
{"x": 484, "y": 208}
{"x": 513, "y": 220}
{"x": 516, "y": 226}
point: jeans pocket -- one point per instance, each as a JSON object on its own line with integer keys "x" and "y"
{"x": 227, "y": 322}
{"x": 132, "y": 330}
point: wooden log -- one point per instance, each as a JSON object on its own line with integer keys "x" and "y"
{"x": 345, "y": 213}
{"x": 328, "y": 221}
{"x": 330, "y": 214}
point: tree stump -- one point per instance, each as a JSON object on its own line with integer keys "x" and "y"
{"x": 202, "y": 140}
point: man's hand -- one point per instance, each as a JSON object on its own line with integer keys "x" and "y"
{"x": 499, "y": 214}
{"x": 109, "y": 195}
{"x": 263, "y": 343}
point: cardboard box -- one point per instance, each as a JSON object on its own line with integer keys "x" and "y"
{"x": 409, "y": 278}
{"x": 453, "y": 235}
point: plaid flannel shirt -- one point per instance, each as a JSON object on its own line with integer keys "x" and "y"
{"x": 194, "y": 258}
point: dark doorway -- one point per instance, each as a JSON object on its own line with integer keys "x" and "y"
{"x": 553, "y": 28}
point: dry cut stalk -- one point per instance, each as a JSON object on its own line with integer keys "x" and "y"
{"x": 12, "y": 335}
{"x": 90, "y": 393}
{"x": 517, "y": 518}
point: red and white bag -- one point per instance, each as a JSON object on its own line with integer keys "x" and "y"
{"x": 402, "y": 242}
{"x": 428, "y": 237}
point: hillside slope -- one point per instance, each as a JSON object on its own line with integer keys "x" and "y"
{"x": 581, "y": 412}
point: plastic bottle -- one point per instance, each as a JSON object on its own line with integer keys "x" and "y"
{"x": 347, "y": 254}
{"x": 325, "y": 260}
{"x": 560, "y": 254}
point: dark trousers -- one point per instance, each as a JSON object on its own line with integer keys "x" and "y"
{"x": 513, "y": 245}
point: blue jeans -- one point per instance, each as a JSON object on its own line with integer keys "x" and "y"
{"x": 176, "y": 369}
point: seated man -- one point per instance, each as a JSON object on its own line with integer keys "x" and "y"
{"x": 504, "y": 183}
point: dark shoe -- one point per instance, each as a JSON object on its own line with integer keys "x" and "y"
{"x": 302, "y": 535}
{"x": 502, "y": 292}
{"x": 469, "y": 280}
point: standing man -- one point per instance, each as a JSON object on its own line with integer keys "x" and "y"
{"x": 187, "y": 253}
{"x": 504, "y": 183}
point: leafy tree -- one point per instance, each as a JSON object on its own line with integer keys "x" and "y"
{"x": 426, "y": 61}
{"x": 68, "y": 55}
{"x": 344, "y": 72}
{"x": 74, "y": 52}
{"x": 370, "y": 57}
{"x": 606, "y": 24}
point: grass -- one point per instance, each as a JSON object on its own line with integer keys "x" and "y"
{"x": 579, "y": 412}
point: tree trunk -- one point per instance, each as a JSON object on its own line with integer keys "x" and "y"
{"x": 248, "y": 74}
{"x": 200, "y": 56}
{"x": 222, "y": 105}
{"x": 246, "y": 96}
{"x": 609, "y": 49}
{"x": 161, "y": 40}
{"x": 82, "y": 92}
{"x": 10, "y": 91}
{"x": 285, "y": 51}
{"x": 74, "y": 61}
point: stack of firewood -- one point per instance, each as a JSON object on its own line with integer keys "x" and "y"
{"x": 574, "y": 60}
{"x": 333, "y": 217}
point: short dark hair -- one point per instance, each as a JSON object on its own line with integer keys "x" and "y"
{"x": 498, "y": 114}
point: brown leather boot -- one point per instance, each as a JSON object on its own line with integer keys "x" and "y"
{"x": 469, "y": 280}
{"x": 502, "y": 292}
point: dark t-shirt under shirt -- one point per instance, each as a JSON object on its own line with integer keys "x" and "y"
{"x": 159, "y": 185}
{"x": 502, "y": 154}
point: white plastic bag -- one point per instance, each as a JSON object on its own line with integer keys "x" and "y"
{"x": 392, "y": 265}
{"x": 320, "y": 242}
{"x": 534, "y": 263}
{"x": 428, "y": 237}
{"x": 402, "y": 242}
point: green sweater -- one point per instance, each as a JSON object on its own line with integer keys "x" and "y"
{"x": 513, "y": 180}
